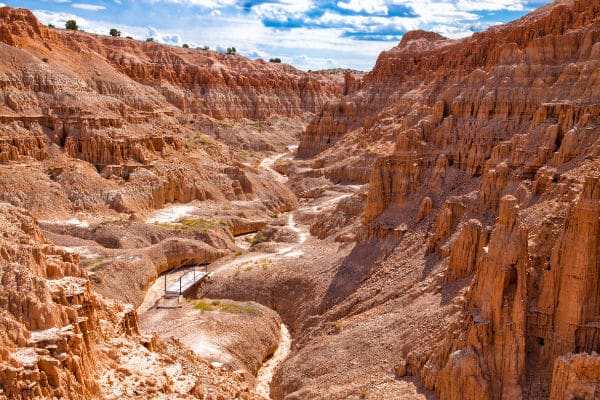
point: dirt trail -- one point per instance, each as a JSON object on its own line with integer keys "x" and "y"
{"x": 265, "y": 374}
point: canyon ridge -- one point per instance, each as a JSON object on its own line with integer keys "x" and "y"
{"x": 427, "y": 230}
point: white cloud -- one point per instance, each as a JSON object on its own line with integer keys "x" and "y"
{"x": 304, "y": 33}
{"x": 368, "y": 6}
{"x": 164, "y": 37}
{"x": 210, "y": 4}
{"x": 2, "y": 5}
{"x": 490, "y": 5}
{"x": 88, "y": 7}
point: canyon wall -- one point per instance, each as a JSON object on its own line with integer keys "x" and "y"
{"x": 488, "y": 154}
{"x": 139, "y": 120}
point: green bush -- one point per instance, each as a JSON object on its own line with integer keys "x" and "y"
{"x": 275, "y": 60}
{"x": 186, "y": 46}
{"x": 51, "y": 26}
{"x": 260, "y": 237}
{"x": 71, "y": 25}
{"x": 114, "y": 33}
{"x": 231, "y": 50}
{"x": 150, "y": 39}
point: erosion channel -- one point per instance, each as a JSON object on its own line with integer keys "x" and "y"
{"x": 240, "y": 335}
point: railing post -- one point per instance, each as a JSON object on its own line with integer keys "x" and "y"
{"x": 180, "y": 285}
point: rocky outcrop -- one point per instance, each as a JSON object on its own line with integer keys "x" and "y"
{"x": 565, "y": 313}
{"x": 466, "y": 250}
{"x": 51, "y": 314}
{"x": 576, "y": 376}
{"x": 62, "y": 340}
{"x": 333, "y": 121}
{"x": 493, "y": 357}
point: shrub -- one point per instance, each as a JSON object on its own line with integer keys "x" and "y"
{"x": 51, "y": 26}
{"x": 231, "y": 50}
{"x": 114, "y": 33}
{"x": 186, "y": 46}
{"x": 71, "y": 25}
{"x": 275, "y": 60}
{"x": 150, "y": 39}
{"x": 128, "y": 37}
{"x": 260, "y": 237}
{"x": 204, "y": 306}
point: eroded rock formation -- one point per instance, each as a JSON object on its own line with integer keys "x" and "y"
{"x": 136, "y": 112}
{"x": 60, "y": 339}
{"x": 486, "y": 180}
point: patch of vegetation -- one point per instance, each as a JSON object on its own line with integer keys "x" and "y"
{"x": 231, "y": 51}
{"x": 231, "y": 308}
{"x": 71, "y": 25}
{"x": 275, "y": 60}
{"x": 250, "y": 153}
{"x": 51, "y": 26}
{"x": 129, "y": 37}
{"x": 204, "y": 306}
{"x": 339, "y": 326}
{"x": 93, "y": 264}
{"x": 260, "y": 237}
{"x": 191, "y": 225}
{"x": 238, "y": 254}
{"x": 114, "y": 32}
{"x": 186, "y": 46}
{"x": 96, "y": 279}
{"x": 149, "y": 39}
{"x": 206, "y": 48}
{"x": 200, "y": 139}
{"x": 266, "y": 263}
{"x": 222, "y": 306}
{"x": 197, "y": 224}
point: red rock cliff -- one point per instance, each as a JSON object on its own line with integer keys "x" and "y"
{"x": 506, "y": 125}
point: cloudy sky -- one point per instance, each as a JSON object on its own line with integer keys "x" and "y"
{"x": 309, "y": 34}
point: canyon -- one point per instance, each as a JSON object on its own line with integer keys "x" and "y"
{"x": 427, "y": 230}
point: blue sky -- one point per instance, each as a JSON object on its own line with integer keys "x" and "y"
{"x": 309, "y": 34}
